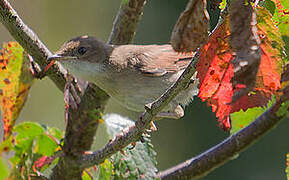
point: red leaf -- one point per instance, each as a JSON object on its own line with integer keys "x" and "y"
{"x": 39, "y": 163}
{"x": 215, "y": 71}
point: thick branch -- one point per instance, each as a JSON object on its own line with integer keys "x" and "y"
{"x": 81, "y": 127}
{"x": 126, "y": 22}
{"x": 29, "y": 41}
{"x": 204, "y": 163}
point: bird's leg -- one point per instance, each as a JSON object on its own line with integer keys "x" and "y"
{"x": 177, "y": 113}
{"x": 153, "y": 127}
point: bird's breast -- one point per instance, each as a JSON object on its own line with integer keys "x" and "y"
{"x": 134, "y": 90}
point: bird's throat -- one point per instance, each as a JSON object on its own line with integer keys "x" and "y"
{"x": 85, "y": 70}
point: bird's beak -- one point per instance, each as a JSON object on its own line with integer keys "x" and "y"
{"x": 57, "y": 57}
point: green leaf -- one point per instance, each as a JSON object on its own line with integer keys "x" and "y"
{"x": 283, "y": 110}
{"x": 242, "y": 118}
{"x": 4, "y": 171}
{"x": 31, "y": 141}
{"x": 85, "y": 176}
{"x": 55, "y": 133}
{"x": 106, "y": 170}
{"x": 26, "y": 133}
{"x": 28, "y": 130}
{"x": 285, "y": 4}
{"x": 223, "y": 4}
{"x": 287, "y": 164}
{"x": 280, "y": 19}
{"x": 123, "y": 3}
{"x": 270, "y": 5}
{"x": 133, "y": 162}
{"x": 45, "y": 145}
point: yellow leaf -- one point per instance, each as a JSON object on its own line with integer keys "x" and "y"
{"x": 15, "y": 82}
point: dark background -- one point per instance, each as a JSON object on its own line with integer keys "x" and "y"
{"x": 176, "y": 140}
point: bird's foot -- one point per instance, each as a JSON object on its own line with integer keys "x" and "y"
{"x": 72, "y": 92}
{"x": 177, "y": 113}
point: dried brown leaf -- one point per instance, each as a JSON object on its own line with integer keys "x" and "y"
{"x": 245, "y": 44}
{"x": 191, "y": 29}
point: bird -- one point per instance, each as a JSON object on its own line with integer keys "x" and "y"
{"x": 133, "y": 75}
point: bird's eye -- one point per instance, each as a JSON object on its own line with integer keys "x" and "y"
{"x": 81, "y": 50}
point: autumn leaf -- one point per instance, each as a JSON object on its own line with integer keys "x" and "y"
{"x": 280, "y": 11}
{"x": 287, "y": 164}
{"x": 215, "y": 70}
{"x": 191, "y": 30}
{"x": 42, "y": 161}
{"x": 15, "y": 82}
{"x": 243, "y": 118}
{"x": 245, "y": 44}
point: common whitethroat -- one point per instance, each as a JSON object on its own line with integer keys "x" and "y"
{"x": 134, "y": 75}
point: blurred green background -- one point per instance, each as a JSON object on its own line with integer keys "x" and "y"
{"x": 176, "y": 140}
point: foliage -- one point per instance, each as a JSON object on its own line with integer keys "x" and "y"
{"x": 134, "y": 162}
{"x": 242, "y": 118}
{"x": 15, "y": 82}
{"x": 287, "y": 164}
{"x": 216, "y": 70}
{"x": 30, "y": 142}
{"x": 3, "y": 169}
{"x": 36, "y": 149}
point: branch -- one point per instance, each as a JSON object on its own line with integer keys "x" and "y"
{"x": 211, "y": 159}
{"x": 81, "y": 126}
{"x": 126, "y": 22}
{"x": 29, "y": 41}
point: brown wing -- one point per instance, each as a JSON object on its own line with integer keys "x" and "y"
{"x": 150, "y": 60}
{"x": 158, "y": 60}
